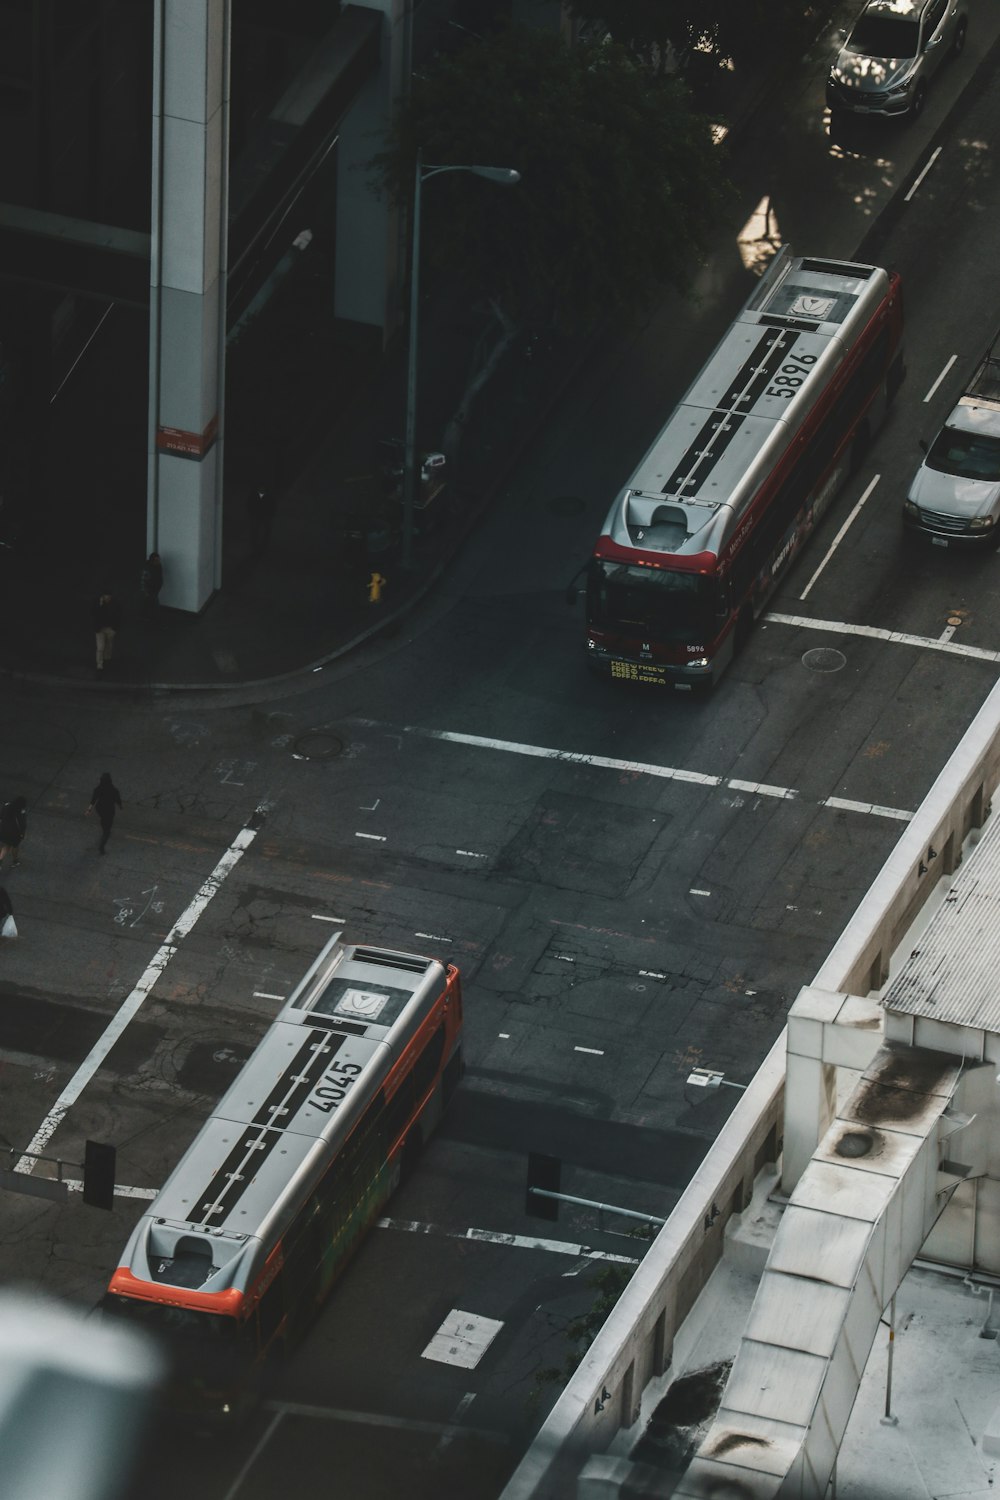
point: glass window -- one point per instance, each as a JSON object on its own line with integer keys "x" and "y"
{"x": 666, "y": 606}
{"x": 881, "y": 36}
{"x": 172, "y": 1322}
{"x": 935, "y": 11}
{"x": 968, "y": 455}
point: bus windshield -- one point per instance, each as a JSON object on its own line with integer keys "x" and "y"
{"x": 176, "y": 1324}
{"x": 663, "y": 605}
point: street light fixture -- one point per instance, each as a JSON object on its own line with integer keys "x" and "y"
{"x": 506, "y": 177}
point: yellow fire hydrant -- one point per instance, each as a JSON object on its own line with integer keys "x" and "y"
{"x": 376, "y": 584}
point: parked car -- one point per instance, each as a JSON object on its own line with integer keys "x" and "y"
{"x": 955, "y": 494}
{"x": 893, "y": 51}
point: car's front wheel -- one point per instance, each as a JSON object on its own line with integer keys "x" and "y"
{"x": 959, "y": 42}
{"x": 919, "y": 96}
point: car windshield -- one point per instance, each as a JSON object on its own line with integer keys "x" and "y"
{"x": 663, "y": 605}
{"x": 969, "y": 455}
{"x": 881, "y": 36}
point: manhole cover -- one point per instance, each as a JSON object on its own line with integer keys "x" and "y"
{"x": 316, "y": 744}
{"x": 566, "y": 505}
{"x": 824, "y": 659}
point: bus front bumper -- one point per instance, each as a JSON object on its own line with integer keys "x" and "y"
{"x": 688, "y": 674}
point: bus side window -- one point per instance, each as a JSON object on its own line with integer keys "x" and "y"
{"x": 271, "y": 1310}
{"x": 425, "y": 1069}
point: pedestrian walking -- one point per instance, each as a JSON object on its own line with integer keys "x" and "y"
{"x": 150, "y": 583}
{"x": 260, "y": 510}
{"x": 13, "y": 827}
{"x": 376, "y": 584}
{"x": 105, "y": 799}
{"x": 8, "y": 927}
{"x": 107, "y": 616}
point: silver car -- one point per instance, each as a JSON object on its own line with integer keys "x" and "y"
{"x": 892, "y": 53}
{"x": 955, "y": 495}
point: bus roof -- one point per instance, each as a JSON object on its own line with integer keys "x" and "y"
{"x": 745, "y": 407}
{"x": 275, "y": 1130}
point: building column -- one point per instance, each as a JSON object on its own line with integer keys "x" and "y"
{"x": 825, "y": 1031}
{"x": 188, "y": 295}
{"x": 371, "y": 252}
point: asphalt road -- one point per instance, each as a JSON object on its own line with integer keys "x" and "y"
{"x": 631, "y": 884}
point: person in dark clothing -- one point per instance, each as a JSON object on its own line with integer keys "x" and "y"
{"x": 105, "y": 799}
{"x": 8, "y": 927}
{"x": 151, "y": 582}
{"x": 13, "y": 827}
{"x": 107, "y": 622}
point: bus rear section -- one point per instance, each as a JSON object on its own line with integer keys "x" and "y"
{"x": 743, "y": 470}
{"x": 251, "y": 1230}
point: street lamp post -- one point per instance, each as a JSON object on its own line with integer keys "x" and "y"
{"x": 506, "y": 176}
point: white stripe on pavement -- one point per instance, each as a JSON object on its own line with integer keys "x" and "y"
{"x": 874, "y": 809}
{"x": 839, "y": 537}
{"x": 875, "y": 633}
{"x": 131, "y": 1006}
{"x": 668, "y": 773}
{"x": 571, "y": 757}
{"x": 516, "y": 1241}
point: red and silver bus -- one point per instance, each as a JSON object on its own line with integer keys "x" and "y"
{"x": 250, "y": 1231}
{"x": 744, "y": 468}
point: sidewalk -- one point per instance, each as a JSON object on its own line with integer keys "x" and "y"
{"x": 307, "y": 403}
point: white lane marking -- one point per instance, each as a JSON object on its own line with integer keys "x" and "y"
{"x": 504, "y": 1036}
{"x": 337, "y": 921}
{"x": 133, "y": 1003}
{"x": 379, "y": 837}
{"x": 594, "y": 1051}
{"x": 695, "y": 892}
{"x": 434, "y": 937}
{"x": 839, "y": 537}
{"x": 515, "y": 1241}
{"x": 673, "y": 773}
{"x": 237, "y": 1483}
{"x": 564, "y": 958}
{"x": 471, "y": 854}
{"x": 75, "y": 1185}
{"x": 375, "y": 804}
{"x": 448, "y": 1437}
{"x": 937, "y": 382}
{"x": 873, "y": 809}
{"x": 762, "y": 789}
{"x": 265, "y": 995}
{"x": 876, "y": 633}
{"x": 572, "y": 757}
{"x": 650, "y": 974}
{"x": 930, "y": 162}
{"x": 377, "y": 1419}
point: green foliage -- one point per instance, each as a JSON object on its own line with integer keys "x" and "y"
{"x": 608, "y": 1284}
{"x": 620, "y": 181}
{"x": 775, "y": 29}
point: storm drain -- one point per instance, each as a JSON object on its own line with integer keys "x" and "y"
{"x": 824, "y": 659}
{"x": 317, "y": 744}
